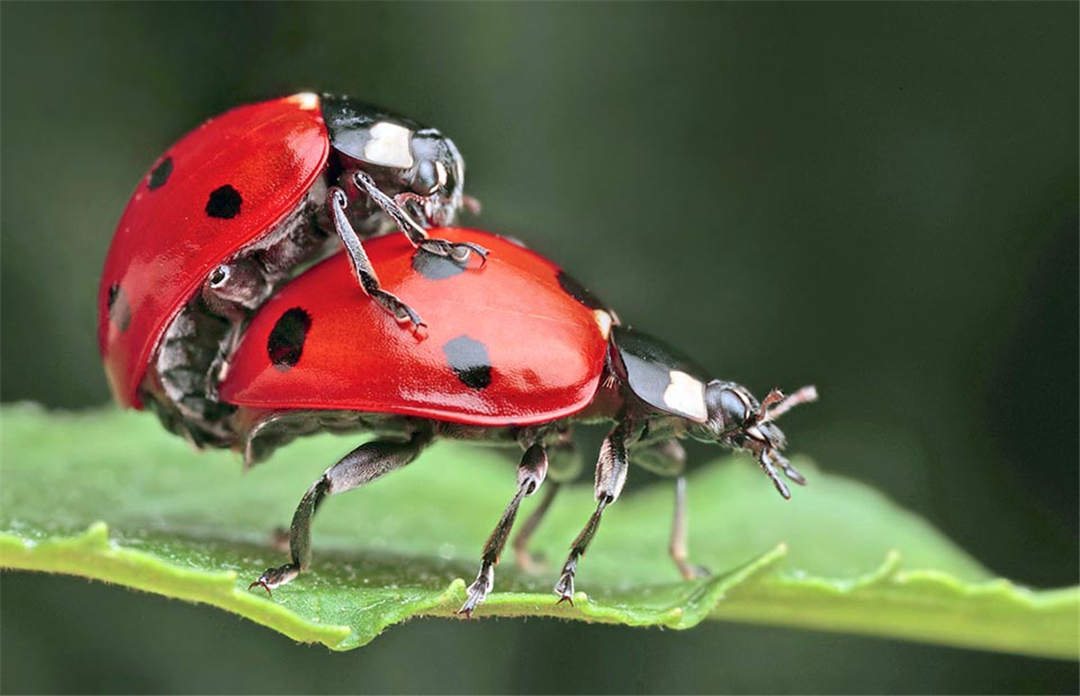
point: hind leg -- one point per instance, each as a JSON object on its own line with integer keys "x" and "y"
{"x": 364, "y": 464}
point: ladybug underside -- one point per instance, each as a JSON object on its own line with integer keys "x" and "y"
{"x": 262, "y": 433}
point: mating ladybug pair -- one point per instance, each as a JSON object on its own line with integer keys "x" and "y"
{"x": 202, "y": 320}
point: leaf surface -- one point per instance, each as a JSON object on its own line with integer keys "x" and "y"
{"x": 111, "y": 496}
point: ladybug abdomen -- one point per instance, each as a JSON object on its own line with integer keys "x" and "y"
{"x": 512, "y": 343}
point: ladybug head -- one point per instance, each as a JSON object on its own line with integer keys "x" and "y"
{"x": 737, "y": 420}
{"x": 435, "y": 183}
{"x": 410, "y": 162}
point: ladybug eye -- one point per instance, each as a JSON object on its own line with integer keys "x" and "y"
{"x": 735, "y": 409}
{"x": 449, "y": 183}
{"x": 427, "y": 178}
{"x": 731, "y": 408}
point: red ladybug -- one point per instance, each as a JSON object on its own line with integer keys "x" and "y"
{"x": 230, "y": 211}
{"x": 517, "y": 353}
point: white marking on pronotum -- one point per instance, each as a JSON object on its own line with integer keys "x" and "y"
{"x": 686, "y": 394}
{"x": 308, "y": 101}
{"x": 440, "y": 169}
{"x": 603, "y": 320}
{"x": 389, "y": 145}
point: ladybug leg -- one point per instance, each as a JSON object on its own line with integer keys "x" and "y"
{"x": 409, "y": 227}
{"x": 668, "y": 458}
{"x": 564, "y": 465}
{"x": 677, "y": 547}
{"x": 232, "y": 290}
{"x": 365, "y": 272}
{"x": 525, "y": 560}
{"x": 363, "y": 465}
{"x": 220, "y": 364}
{"x": 471, "y": 204}
{"x": 611, "y": 469}
{"x": 459, "y": 253}
{"x": 531, "y": 473}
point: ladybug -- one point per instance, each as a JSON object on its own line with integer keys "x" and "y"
{"x": 230, "y": 211}
{"x": 517, "y": 354}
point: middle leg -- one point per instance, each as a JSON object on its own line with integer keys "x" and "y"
{"x": 611, "y": 469}
{"x": 564, "y": 465}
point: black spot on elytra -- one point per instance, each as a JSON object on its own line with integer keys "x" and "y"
{"x": 579, "y": 292}
{"x": 435, "y": 267}
{"x": 224, "y": 203}
{"x": 118, "y": 307}
{"x": 160, "y": 174}
{"x": 469, "y": 360}
{"x": 286, "y": 343}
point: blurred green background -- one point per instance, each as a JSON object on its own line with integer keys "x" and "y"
{"x": 877, "y": 198}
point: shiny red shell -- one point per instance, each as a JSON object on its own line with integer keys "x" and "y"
{"x": 216, "y": 191}
{"x": 515, "y": 342}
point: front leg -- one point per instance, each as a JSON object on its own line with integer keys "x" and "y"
{"x": 677, "y": 548}
{"x": 668, "y": 458}
{"x": 365, "y": 272}
{"x": 459, "y": 253}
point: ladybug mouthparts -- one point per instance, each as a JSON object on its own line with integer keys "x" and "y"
{"x": 765, "y": 439}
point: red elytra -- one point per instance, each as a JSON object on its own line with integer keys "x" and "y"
{"x": 516, "y": 342}
{"x": 263, "y": 159}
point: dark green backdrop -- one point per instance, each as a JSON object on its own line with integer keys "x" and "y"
{"x": 877, "y": 198}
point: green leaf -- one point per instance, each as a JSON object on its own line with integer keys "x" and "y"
{"x": 111, "y": 496}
